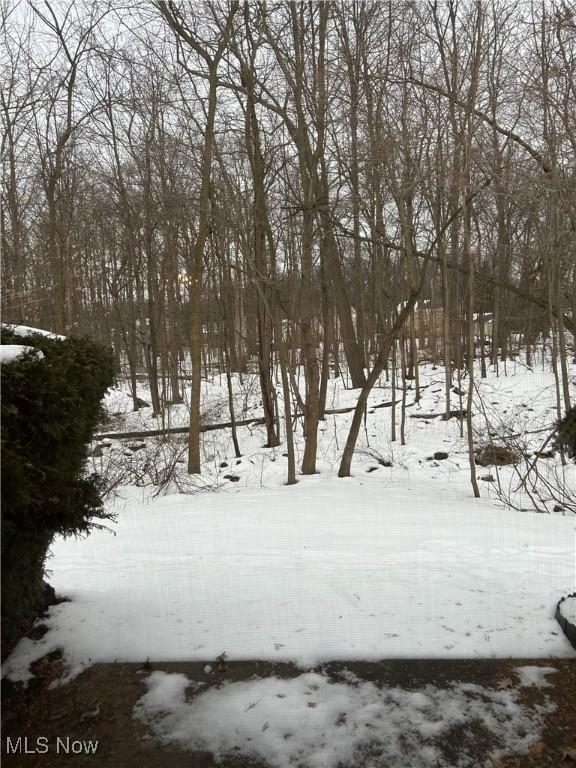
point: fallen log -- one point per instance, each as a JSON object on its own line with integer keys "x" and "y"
{"x": 212, "y": 427}
{"x": 173, "y": 430}
{"x": 388, "y": 405}
{"x": 352, "y": 408}
{"x": 428, "y": 416}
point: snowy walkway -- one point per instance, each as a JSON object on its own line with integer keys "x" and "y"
{"x": 394, "y": 714}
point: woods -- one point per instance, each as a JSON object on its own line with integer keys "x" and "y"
{"x": 288, "y": 382}
{"x": 296, "y": 190}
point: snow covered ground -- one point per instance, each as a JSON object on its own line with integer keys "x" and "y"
{"x": 314, "y": 722}
{"x": 307, "y": 574}
{"x": 519, "y": 404}
{"x": 395, "y": 562}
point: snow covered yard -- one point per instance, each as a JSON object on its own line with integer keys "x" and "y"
{"x": 329, "y": 569}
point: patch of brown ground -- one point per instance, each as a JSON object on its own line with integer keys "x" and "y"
{"x": 98, "y": 706}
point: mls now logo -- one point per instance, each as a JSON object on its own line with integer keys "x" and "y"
{"x": 22, "y": 745}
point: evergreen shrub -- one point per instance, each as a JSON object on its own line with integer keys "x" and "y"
{"x": 50, "y": 408}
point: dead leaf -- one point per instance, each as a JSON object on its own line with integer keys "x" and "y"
{"x": 506, "y": 683}
{"x": 569, "y": 755}
{"x": 537, "y": 749}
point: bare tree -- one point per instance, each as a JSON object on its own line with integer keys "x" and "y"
{"x": 187, "y": 34}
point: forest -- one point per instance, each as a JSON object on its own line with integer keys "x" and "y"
{"x": 294, "y": 188}
{"x": 288, "y": 376}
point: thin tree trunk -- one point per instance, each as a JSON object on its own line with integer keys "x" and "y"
{"x": 232, "y": 415}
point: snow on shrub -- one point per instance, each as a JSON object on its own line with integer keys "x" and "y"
{"x": 26, "y": 330}
{"x": 50, "y": 406}
{"x": 11, "y": 352}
